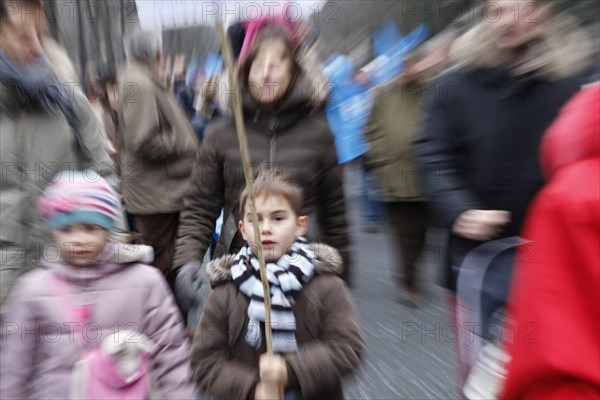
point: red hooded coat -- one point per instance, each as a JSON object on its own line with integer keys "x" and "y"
{"x": 555, "y": 302}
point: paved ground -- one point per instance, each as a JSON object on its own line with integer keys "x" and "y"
{"x": 410, "y": 351}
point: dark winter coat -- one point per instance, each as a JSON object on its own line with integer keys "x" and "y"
{"x": 480, "y": 142}
{"x": 286, "y": 137}
{"x": 328, "y": 335}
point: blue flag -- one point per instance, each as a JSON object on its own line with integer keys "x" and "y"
{"x": 349, "y": 105}
{"x": 386, "y": 39}
{"x": 348, "y": 109}
{"x": 347, "y": 120}
{"x": 212, "y": 65}
{"x": 391, "y": 48}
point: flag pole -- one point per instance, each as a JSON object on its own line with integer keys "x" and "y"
{"x": 236, "y": 106}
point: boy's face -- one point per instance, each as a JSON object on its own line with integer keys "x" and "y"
{"x": 278, "y": 224}
{"x": 81, "y": 244}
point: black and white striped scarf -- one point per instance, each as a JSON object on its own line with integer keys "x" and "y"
{"x": 286, "y": 277}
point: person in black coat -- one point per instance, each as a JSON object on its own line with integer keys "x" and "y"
{"x": 479, "y": 144}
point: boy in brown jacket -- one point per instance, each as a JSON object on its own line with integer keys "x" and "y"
{"x": 316, "y": 334}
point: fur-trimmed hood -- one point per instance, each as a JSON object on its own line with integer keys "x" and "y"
{"x": 327, "y": 261}
{"x": 561, "y": 49}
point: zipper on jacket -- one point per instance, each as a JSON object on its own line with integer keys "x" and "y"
{"x": 272, "y": 150}
{"x": 20, "y": 145}
{"x": 273, "y": 133}
{"x": 272, "y": 123}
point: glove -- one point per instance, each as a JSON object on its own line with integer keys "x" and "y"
{"x": 188, "y": 282}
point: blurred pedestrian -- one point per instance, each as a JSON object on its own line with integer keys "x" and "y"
{"x": 181, "y": 90}
{"x": 479, "y": 149}
{"x": 45, "y": 128}
{"x": 101, "y": 93}
{"x": 276, "y": 104}
{"x": 157, "y": 148}
{"x": 557, "y": 285}
{"x": 236, "y": 33}
{"x": 371, "y": 207}
{"x": 95, "y": 320}
{"x": 480, "y": 142}
{"x": 316, "y": 333}
{"x": 108, "y": 98}
{"x": 391, "y": 129}
{"x": 207, "y": 107}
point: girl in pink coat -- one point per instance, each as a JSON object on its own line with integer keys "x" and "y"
{"x": 95, "y": 323}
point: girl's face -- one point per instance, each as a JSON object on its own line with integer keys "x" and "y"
{"x": 271, "y": 72}
{"x": 81, "y": 244}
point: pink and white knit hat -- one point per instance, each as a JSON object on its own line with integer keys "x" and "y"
{"x": 79, "y": 197}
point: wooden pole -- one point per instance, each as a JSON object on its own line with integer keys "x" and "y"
{"x": 236, "y": 106}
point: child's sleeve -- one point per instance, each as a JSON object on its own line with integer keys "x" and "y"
{"x": 163, "y": 324}
{"x": 19, "y": 345}
{"x": 319, "y": 366}
{"x": 212, "y": 367}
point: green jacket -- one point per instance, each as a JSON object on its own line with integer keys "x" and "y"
{"x": 392, "y": 125}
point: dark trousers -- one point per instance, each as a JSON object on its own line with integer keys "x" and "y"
{"x": 409, "y": 222}
{"x": 160, "y": 232}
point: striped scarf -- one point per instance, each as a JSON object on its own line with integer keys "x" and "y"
{"x": 286, "y": 277}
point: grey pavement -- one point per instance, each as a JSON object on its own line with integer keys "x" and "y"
{"x": 410, "y": 351}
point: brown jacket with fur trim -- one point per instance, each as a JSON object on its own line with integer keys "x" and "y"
{"x": 327, "y": 332}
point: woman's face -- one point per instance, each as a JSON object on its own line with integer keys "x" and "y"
{"x": 271, "y": 72}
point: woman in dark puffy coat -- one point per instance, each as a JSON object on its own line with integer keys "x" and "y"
{"x": 276, "y": 100}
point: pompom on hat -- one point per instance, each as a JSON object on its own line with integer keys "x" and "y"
{"x": 79, "y": 197}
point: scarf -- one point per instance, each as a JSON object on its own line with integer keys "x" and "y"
{"x": 286, "y": 277}
{"x": 36, "y": 87}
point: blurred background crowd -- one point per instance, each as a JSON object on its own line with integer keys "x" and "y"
{"x": 449, "y": 150}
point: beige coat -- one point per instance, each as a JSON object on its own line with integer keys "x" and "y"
{"x": 158, "y": 144}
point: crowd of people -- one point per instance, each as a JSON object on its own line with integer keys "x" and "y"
{"x": 110, "y": 201}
